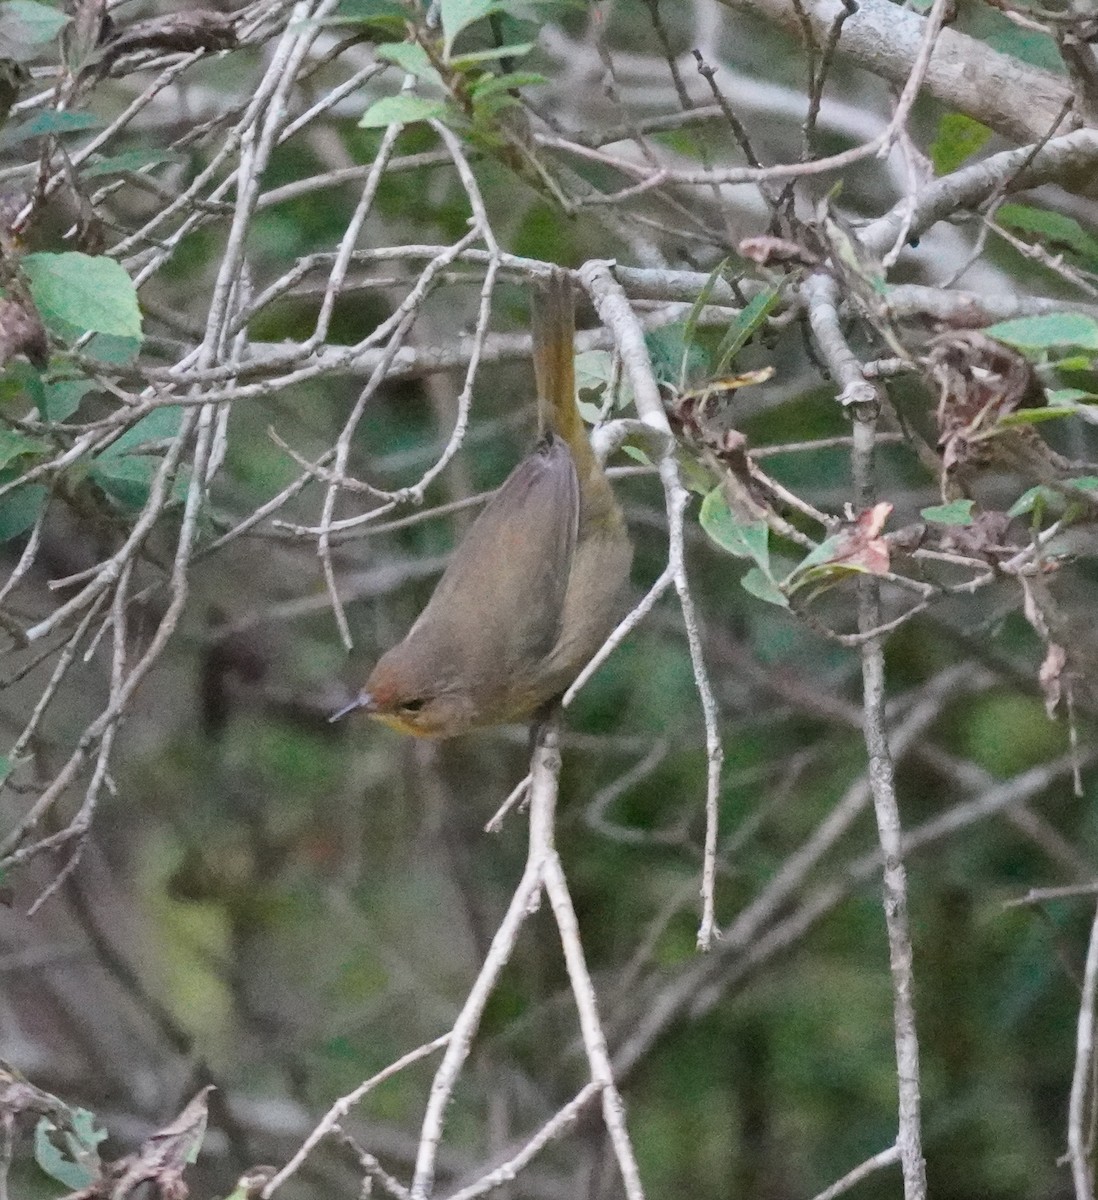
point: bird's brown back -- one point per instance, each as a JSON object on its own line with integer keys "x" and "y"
{"x": 534, "y": 587}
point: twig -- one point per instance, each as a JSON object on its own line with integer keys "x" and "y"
{"x": 859, "y": 395}
{"x": 884, "y": 1159}
{"x": 372, "y": 1170}
{"x": 747, "y": 930}
{"x": 550, "y": 1131}
{"x": 468, "y": 1021}
{"x": 543, "y": 869}
{"x": 1078, "y": 1124}
{"x": 615, "y": 311}
{"x": 516, "y": 796}
{"x": 343, "y": 1106}
{"x": 7, "y": 1150}
{"x": 1044, "y": 895}
{"x": 543, "y": 795}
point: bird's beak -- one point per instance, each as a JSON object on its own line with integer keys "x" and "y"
{"x": 362, "y": 700}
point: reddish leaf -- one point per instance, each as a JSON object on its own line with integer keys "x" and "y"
{"x": 861, "y": 546}
{"x": 866, "y": 548}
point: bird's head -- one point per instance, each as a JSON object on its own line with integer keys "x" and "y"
{"x": 406, "y": 692}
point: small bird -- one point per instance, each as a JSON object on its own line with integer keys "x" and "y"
{"x": 535, "y": 586}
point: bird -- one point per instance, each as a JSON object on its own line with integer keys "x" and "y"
{"x": 536, "y": 585}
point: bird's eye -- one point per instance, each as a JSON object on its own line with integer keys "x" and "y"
{"x": 412, "y": 706}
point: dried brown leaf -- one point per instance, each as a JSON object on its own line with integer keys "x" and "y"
{"x": 19, "y": 1095}
{"x": 908, "y": 539}
{"x": 979, "y": 381}
{"x": 90, "y": 26}
{"x": 768, "y": 251}
{"x": 982, "y": 538}
{"x": 22, "y": 331}
{"x": 1050, "y": 676}
{"x": 1031, "y": 607}
{"x": 160, "y": 1162}
{"x": 181, "y": 32}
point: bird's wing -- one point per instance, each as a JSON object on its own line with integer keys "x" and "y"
{"x": 503, "y": 591}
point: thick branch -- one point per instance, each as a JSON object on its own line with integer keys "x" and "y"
{"x": 1012, "y": 171}
{"x": 1016, "y": 100}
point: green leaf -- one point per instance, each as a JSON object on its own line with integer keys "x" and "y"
{"x": 459, "y": 14}
{"x": 1037, "y": 49}
{"x": 826, "y": 574}
{"x": 126, "y": 478}
{"x": 488, "y": 86}
{"x": 1031, "y": 498}
{"x": 25, "y": 27}
{"x": 823, "y": 553}
{"x": 5, "y": 767}
{"x": 84, "y": 1128}
{"x": 125, "y": 475}
{"x": 1044, "y": 332}
{"x": 1070, "y": 397}
{"x": 696, "y": 477}
{"x": 744, "y": 326}
{"x": 745, "y": 539}
{"x": 89, "y": 294}
{"x": 1074, "y": 362}
{"x": 1035, "y": 416}
{"x": 594, "y": 374}
{"x": 690, "y": 328}
{"x": 61, "y": 397}
{"x": 387, "y": 13}
{"x": 589, "y": 412}
{"x": 55, "y": 1163}
{"x": 411, "y": 58}
{"x": 64, "y": 121}
{"x": 518, "y": 50}
{"x": 956, "y": 512}
{"x": 667, "y": 347}
{"x": 958, "y": 138}
{"x": 1056, "y": 231}
{"x": 20, "y": 509}
{"x": 109, "y": 348}
{"x": 763, "y": 587}
{"x": 75, "y": 1162}
{"x": 132, "y": 160}
{"x": 154, "y": 427}
{"x": 594, "y": 370}
{"x": 1050, "y": 498}
{"x": 14, "y": 445}
{"x": 637, "y": 455}
{"x": 848, "y": 251}
{"x": 54, "y": 123}
{"x": 404, "y": 109}
{"x": 22, "y": 381}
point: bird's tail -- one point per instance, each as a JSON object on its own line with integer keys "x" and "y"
{"x": 554, "y": 326}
